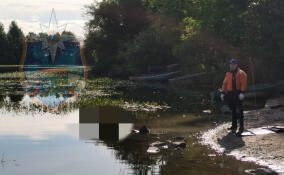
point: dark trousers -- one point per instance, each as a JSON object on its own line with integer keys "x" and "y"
{"x": 236, "y": 107}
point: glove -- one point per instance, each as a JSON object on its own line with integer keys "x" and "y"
{"x": 222, "y": 97}
{"x": 241, "y": 96}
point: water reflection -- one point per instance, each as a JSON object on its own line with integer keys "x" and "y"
{"x": 53, "y": 87}
{"x": 59, "y": 141}
{"x": 17, "y": 95}
{"x": 91, "y": 123}
{"x": 104, "y": 123}
{"x": 97, "y": 140}
{"x": 39, "y": 126}
{"x": 113, "y": 126}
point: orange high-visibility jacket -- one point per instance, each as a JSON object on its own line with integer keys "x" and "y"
{"x": 241, "y": 81}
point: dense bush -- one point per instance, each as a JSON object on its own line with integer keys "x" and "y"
{"x": 150, "y": 47}
{"x": 113, "y": 24}
{"x": 200, "y": 35}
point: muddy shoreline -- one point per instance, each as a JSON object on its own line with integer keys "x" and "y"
{"x": 264, "y": 149}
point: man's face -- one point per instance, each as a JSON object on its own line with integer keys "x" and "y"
{"x": 233, "y": 67}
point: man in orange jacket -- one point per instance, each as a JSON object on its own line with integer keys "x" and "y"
{"x": 233, "y": 89}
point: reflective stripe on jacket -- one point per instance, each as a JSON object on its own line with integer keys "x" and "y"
{"x": 241, "y": 81}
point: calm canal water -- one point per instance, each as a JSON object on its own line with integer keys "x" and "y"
{"x": 98, "y": 139}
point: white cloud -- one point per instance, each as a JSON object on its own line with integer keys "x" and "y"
{"x": 30, "y": 13}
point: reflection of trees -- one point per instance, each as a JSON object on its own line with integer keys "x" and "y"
{"x": 133, "y": 150}
{"x": 14, "y": 96}
{"x": 11, "y": 96}
{"x": 2, "y": 97}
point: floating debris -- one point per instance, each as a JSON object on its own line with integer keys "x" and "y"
{"x": 208, "y": 111}
{"x": 175, "y": 143}
{"x": 179, "y": 144}
{"x": 161, "y": 145}
{"x": 177, "y": 138}
{"x": 153, "y": 150}
{"x": 135, "y": 131}
{"x": 142, "y": 130}
{"x": 143, "y": 107}
{"x": 211, "y": 155}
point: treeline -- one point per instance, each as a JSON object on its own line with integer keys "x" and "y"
{"x": 125, "y": 36}
{"x": 11, "y": 44}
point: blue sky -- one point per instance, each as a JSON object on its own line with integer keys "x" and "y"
{"x": 30, "y": 13}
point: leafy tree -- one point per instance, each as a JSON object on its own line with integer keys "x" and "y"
{"x": 3, "y": 45}
{"x": 177, "y": 9}
{"x": 224, "y": 18}
{"x": 264, "y": 37}
{"x": 125, "y": 36}
{"x": 112, "y": 24}
{"x": 15, "y": 38}
{"x": 68, "y": 34}
{"x": 151, "y": 47}
{"x": 31, "y": 36}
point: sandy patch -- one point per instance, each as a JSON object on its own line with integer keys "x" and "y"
{"x": 266, "y": 149}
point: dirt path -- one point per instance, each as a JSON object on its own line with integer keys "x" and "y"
{"x": 266, "y": 149}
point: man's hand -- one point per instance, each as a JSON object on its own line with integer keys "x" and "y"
{"x": 241, "y": 96}
{"x": 222, "y": 97}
